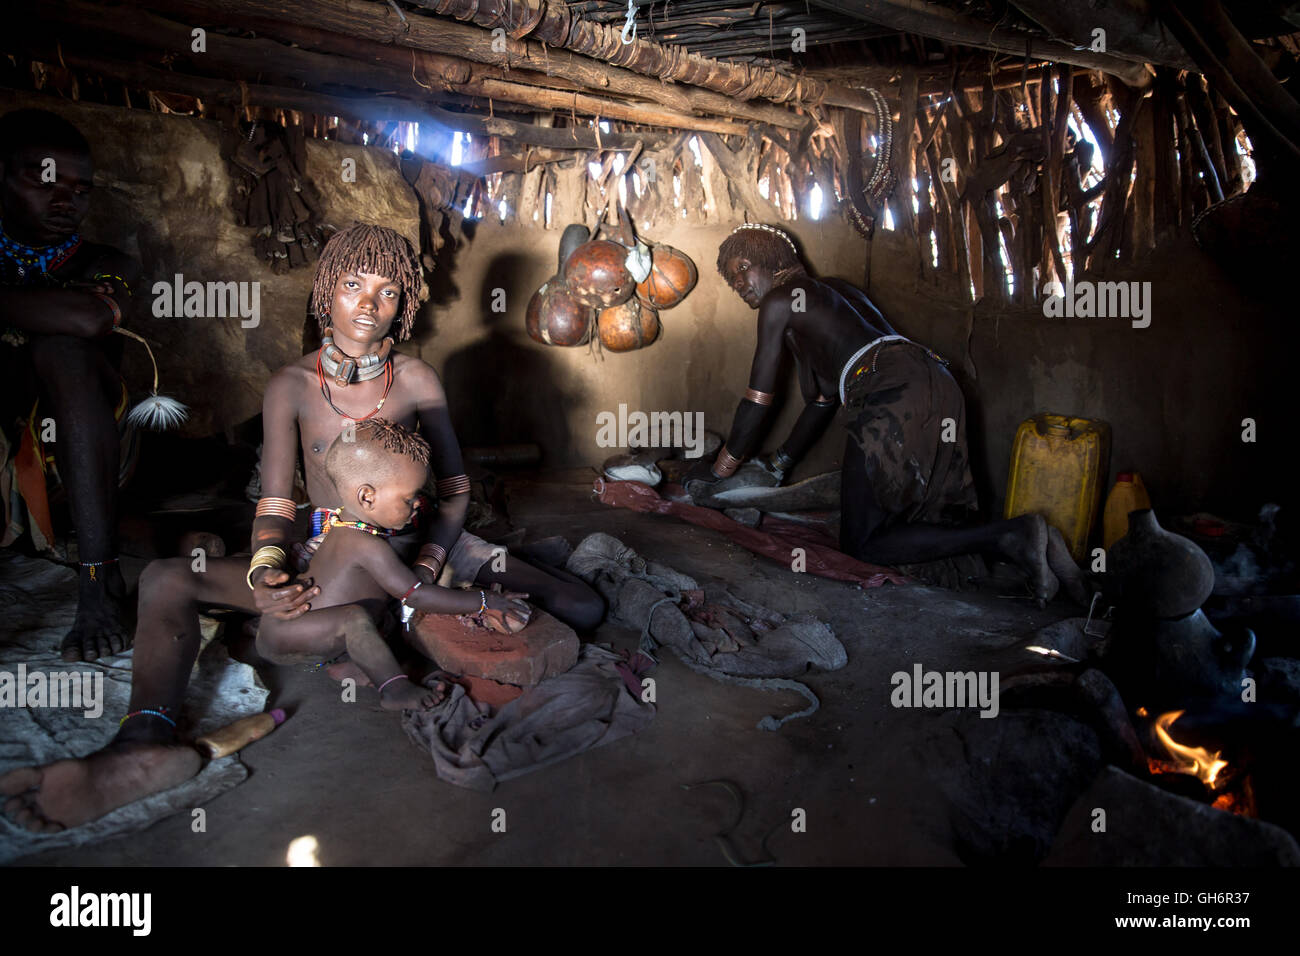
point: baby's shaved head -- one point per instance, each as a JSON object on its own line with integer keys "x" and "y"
{"x": 371, "y": 455}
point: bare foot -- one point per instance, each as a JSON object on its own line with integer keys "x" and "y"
{"x": 408, "y": 695}
{"x": 1026, "y": 545}
{"x": 100, "y": 628}
{"x": 68, "y": 793}
{"x": 345, "y": 669}
{"x": 1067, "y": 572}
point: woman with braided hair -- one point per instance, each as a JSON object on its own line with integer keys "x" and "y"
{"x": 907, "y": 495}
{"x": 367, "y": 280}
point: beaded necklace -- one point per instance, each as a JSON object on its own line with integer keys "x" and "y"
{"x": 325, "y": 389}
{"x": 335, "y": 522}
{"x": 44, "y": 259}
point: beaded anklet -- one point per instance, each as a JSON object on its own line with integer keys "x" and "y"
{"x": 96, "y": 564}
{"x": 151, "y": 713}
{"x": 390, "y": 680}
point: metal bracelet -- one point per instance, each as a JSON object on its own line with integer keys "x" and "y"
{"x": 782, "y": 460}
{"x": 452, "y": 486}
{"x": 759, "y": 398}
{"x": 726, "y": 464}
{"x": 272, "y": 507}
{"x": 262, "y": 559}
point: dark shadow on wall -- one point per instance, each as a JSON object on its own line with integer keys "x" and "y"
{"x": 505, "y": 388}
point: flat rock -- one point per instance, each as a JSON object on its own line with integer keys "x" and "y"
{"x": 1009, "y": 780}
{"x": 544, "y": 648}
{"x": 1145, "y": 826}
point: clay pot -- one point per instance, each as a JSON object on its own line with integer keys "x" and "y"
{"x": 1154, "y": 573}
{"x": 672, "y": 276}
{"x": 572, "y": 237}
{"x": 628, "y": 326}
{"x": 597, "y": 276}
{"x": 556, "y": 317}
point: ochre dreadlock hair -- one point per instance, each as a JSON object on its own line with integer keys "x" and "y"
{"x": 367, "y": 454}
{"x": 764, "y": 246}
{"x": 376, "y": 250}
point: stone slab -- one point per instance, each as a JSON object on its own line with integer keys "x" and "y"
{"x": 545, "y": 647}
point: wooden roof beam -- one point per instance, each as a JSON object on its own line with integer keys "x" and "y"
{"x": 378, "y": 23}
{"x": 940, "y": 23}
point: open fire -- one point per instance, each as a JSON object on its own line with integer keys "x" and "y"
{"x": 1196, "y": 761}
{"x": 1232, "y": 791}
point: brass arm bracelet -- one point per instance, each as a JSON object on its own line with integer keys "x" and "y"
{"x": 726, "y": 463}
{"x": 433, "y": 557}
{"x": 451, "y": 486}
{"x": 267, "y": 557}
{"x": 272, "y": 507}
{"x": 759, "y": 398}
{"x": 435, "y": 551}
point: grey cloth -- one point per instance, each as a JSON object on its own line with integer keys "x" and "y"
{"x": 37, "y": 604}
{"x": 564, "y": 715}
{"x": 466, "y": 559}
{"x": 758, "y": 648}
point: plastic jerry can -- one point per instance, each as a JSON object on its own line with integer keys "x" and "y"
{"x": 1056, "y": 470}
{"x": 1129, "y": 494}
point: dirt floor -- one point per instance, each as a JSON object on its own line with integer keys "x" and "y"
{"x": 346, "y": 773}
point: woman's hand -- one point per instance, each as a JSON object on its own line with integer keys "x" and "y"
{"x": 276, "y": 594}
{"x": 507, "y": 612}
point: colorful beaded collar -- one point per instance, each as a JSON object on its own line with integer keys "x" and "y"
{"x": 44, "y": 258}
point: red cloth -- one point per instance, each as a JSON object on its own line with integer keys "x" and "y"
{"x": 775, "y": 540}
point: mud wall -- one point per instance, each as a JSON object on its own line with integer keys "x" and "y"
{"x": 162, "y": 196}
{"x": 1175, "y": 393}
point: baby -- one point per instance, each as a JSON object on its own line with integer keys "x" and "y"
{"x": 379, "y": 472}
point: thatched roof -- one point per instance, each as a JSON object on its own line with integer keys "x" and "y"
{"x": 806, "y": 107}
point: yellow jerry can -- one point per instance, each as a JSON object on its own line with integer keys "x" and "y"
{"x": 1056, "y": 470}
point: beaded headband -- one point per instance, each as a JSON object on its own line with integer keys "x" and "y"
{"x": 772, "y": 229}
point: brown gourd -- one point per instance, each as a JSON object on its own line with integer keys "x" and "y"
{"x": 556, "y": 317}
{"x": 628, "y": 326}
{"x": 596, "y": 274}
{"x": 672, "y": 276}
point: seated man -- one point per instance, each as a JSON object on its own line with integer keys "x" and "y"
{"x": 379, "y": 471}
{"x": 367, "y": 278}
{"x": 60, "y": 298}
{"x": 907, "y": 495}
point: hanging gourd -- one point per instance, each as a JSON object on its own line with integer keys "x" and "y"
{"x": 597, "y": 276}
{"x": 557, "y": 317}
{"x": 672, "y": 276}
{"x": 628, "y": 326}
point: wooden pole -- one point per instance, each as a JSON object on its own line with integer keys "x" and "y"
{"x": 360, "y": 107}
{"x": 243, "y": 58}
{"x": 718, "y": 84}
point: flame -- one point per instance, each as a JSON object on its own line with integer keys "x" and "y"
{"x": 1194, "y": 760}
